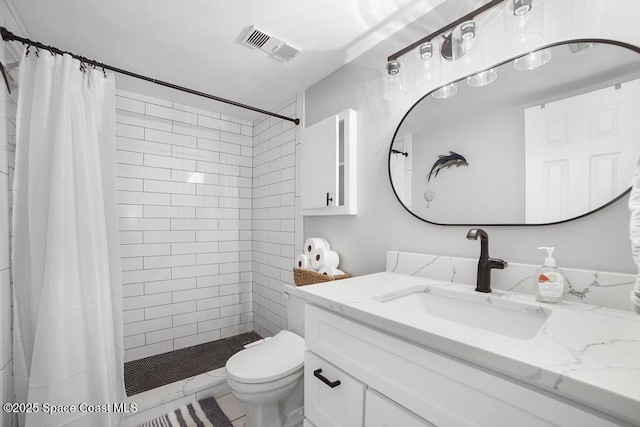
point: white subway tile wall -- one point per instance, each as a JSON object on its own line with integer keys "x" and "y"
{"x": 274, "y": 217}
{"x": 205, "y": 211}
{"x": 8, "y": 108}
{"x": 185, "y": 210}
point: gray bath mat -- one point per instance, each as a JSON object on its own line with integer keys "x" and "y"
{"x": 203, "y": 413}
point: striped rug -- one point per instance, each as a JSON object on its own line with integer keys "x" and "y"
{"x": 203, "y": 413}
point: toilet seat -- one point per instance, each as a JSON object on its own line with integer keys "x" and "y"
{"x": 271, "y": 360}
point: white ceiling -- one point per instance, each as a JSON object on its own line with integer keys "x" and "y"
{"x": 198, "y": 43}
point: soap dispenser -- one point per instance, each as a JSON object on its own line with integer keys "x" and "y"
{"x": 549, "y": 281}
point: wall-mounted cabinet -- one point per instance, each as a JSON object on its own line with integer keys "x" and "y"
{"x": 328, "y": 166}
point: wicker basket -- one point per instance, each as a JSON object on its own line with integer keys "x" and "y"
{"x": 307, "y": 277}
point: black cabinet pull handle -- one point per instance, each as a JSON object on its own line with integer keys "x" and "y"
{"x": 318, "y": 374}
{"x": 329, "y": 199}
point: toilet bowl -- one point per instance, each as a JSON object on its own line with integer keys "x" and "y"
{"x": 268, "y": 377}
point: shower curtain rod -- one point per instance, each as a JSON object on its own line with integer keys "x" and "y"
{"x": 9, "y": 36}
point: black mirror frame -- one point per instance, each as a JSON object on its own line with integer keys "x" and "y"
{"x": 582, "y": 40}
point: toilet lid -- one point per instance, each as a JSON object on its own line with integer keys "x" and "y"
{"x": 273, "y": 359}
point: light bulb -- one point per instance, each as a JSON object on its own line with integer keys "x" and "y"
{"x": 521, "y": 7}
{"x": 483, "y": 78}
{"x": 467, "y": 44}
{"x": 426, "y": 50}
{"x": 532, "y": 60}
{"x": 445, "y": 91}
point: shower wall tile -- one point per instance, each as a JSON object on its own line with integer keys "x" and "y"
{"x": 144, "y": 326}
{"x": 196, "y": 339}
{"x": 184, "y": 194}
{"x": 170, "y": 113}
{"x": 147, "y": 122}
{"x": 200, "y": 111}
{"x": 128, "y": 104}
{"x": 148, "y": 350}
{"x": 273, "y": 219}
{"x": 8, "y": 109}
{"x": 144, "y": 98}
{"x": 131, "y": 316}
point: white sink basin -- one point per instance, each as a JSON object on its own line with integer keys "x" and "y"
{"x": 510, "y": 318}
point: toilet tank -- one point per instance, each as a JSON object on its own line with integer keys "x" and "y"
{"x": 295, "y": 312}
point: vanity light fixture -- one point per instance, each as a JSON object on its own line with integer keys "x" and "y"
{"x": 523, "y": 23}
{"x": 532, "y": 60}
{"x": 445, "y": 91}
{"x": 461, "y": 42}
{"x": 429, "y": 51}
{"x": 482, "y": 78}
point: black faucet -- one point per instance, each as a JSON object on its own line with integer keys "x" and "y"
{"x": 485, "y": 264}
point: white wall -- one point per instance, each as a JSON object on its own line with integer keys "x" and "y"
{"x": 184, "y": 181}
{"x": 599, "y": 241}
{"x": 482, "y": 184}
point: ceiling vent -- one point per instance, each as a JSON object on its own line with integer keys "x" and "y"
{"x": 275, "y": 47}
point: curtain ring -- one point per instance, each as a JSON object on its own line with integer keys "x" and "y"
{"x": 28, "y": 50}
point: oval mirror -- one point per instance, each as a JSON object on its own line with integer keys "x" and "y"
{"x": 538, "y": 145}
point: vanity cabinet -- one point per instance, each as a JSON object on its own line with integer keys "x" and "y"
{"x": 389, "y": 378}
{"x": 382, "y": 412}
{"x": 331, "y": 397}
{"x": 328, "y": 166}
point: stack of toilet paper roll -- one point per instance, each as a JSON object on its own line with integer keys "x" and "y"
{"x": 319, "y": 257}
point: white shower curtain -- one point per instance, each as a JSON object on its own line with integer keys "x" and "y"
{"x": 66, "y": 268}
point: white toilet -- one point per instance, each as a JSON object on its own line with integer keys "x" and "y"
{"x": 268, "y": 377}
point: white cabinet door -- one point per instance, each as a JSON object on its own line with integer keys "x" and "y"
{"x": 331, "y": 397}
{"x": 328, "y": 166}
{"x": 382, "y": 412}
{"x": 319, "y": 162}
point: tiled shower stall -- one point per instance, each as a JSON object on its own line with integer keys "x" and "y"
{"x": 208, "y": 216}
{"x": 207, "y": 223}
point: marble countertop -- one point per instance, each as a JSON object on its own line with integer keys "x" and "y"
{"x": 585, "y": 353}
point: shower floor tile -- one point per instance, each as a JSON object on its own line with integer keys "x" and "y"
{"x": 155, "y": 371}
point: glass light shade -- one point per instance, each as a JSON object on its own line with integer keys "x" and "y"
{"x": 445, "y": 91}
{"x": 427, "y": 64}
{"x": 468, "y": 46}
{"x": 393, "y": 79}
{"x": 532, "y": 60}
{"x": 482, "y": 78}
{"x": 523, "y": 21}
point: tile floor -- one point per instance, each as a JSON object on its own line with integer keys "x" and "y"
{"x": 232, "y": 408}
{"x": 155, "y": 371}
